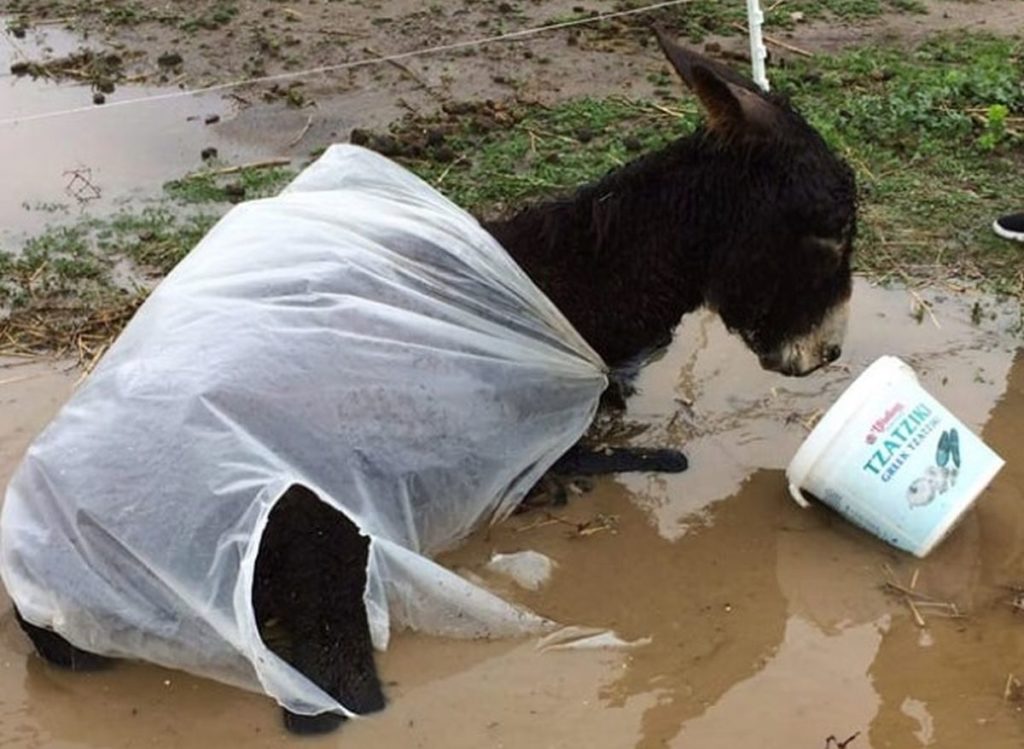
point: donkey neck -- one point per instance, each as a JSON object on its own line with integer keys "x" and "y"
{"x": 620, "y": 257}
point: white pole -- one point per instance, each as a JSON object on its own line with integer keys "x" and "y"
{"x": 757, "y": 49}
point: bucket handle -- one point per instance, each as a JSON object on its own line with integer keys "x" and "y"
{"x": 798, "y": 496}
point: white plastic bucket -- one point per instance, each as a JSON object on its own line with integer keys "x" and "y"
{"x": 891, "y": 459}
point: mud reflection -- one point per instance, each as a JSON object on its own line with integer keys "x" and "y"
{"x": 89, "y": 163}
{"x": 709, "y": 395}
{"x": 768, "y": 624}
{"x": 961, "y": 677}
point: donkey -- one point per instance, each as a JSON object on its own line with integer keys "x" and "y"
{"x": 752, "y": 215}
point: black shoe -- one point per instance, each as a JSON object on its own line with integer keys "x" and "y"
{"x": 1010, "y": 226}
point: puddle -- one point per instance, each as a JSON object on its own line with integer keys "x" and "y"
{"x": 92, "y": 161}
{"x": 767, "y": 623}
{"x": 739, "y": 413}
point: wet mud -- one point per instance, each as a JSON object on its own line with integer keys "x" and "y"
{"x": 90, "y": 163}
{"x": 752, "y": 622}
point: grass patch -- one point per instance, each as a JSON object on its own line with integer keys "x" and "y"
{"x": 205, "y": 15}
{"x": 213, "y": 187}
{"x": 70, "y": 290}
{"x": 154, "y": 240}
{"x": 125, "y": 14}
{"x": 107, "y": 12}
{"x": 59, "y": 295}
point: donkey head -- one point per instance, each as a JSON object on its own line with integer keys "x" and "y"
{"x": 778, "y": 212}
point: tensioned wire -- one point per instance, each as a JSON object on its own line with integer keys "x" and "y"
{"x": 291, "y": 75}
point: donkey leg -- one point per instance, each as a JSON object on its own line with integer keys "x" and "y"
{"x": 308, "y": 599}
{"x": 56, "y": 650}
{"x": 581, "y": 460}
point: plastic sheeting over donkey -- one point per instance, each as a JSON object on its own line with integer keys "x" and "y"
{"x": 358, "y": 334}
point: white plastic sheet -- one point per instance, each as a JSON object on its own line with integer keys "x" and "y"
{"x": 358, "y": 334}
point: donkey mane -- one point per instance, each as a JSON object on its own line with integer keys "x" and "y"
{"x": 601, "y": 249}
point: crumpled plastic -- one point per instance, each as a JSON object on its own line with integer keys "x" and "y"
{"x": 359, "y": 334}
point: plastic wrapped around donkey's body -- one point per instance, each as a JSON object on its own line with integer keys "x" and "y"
{"x": 357, "y": 336}
{"x": 346, "y": 378}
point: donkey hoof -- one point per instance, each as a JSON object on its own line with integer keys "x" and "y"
{"x": 668, "y": 461}
{"x": 58, "y": 652}
{"x": 74, "y": 659}
{"x": 312, "y": 725}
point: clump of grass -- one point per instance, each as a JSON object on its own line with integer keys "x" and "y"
{"x": 52, "y": 264}
{"x": 155, "y": 239}
{"x": 935, "y": 135}
{"x": 58, "y": 295}
{"x": 214, "y": 187}
{"x": 219, "y": 14}
{"x": 70, "y": 290}
{"x": 913, "y": 104}
{"x": 124, "y": 14}
{"x": 841, "y": 10}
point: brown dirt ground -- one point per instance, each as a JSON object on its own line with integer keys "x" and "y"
{"x": 270, "y": 38}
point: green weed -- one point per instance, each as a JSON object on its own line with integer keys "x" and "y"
{"x": 220, "y": 14}
{"x": 210, "y": 187}
{"x": 155, "y": 239}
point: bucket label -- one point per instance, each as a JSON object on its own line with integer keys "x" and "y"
{"x": 902, "y": 432}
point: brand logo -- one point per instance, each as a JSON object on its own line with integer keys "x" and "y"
{"x": 904, "y": 435}
{"x": 878, "y": 425}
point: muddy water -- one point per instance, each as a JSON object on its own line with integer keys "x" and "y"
{"x": 112, "y": 149}
{"x": 118, "y": 148}
{"x": 755, "y": 622}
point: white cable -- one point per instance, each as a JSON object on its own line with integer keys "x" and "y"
{"x": 344, "y": 65}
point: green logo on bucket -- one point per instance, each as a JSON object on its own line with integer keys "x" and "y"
{"x": 903, "y": 437}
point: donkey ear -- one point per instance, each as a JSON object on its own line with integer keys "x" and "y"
{"x": 734, "y": 105}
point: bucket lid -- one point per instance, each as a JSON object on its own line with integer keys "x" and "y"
{"x": 836, "y": 418}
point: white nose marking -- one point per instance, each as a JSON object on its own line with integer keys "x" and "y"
{"x": 811, "y": 351}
